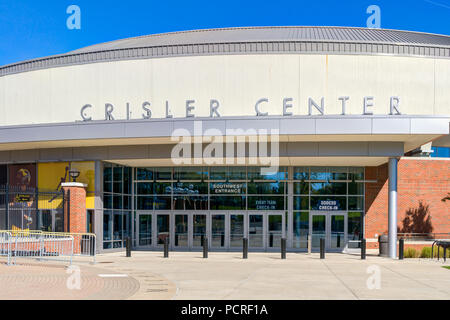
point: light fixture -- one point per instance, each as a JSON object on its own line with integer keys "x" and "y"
{"x": 74, "y": 174}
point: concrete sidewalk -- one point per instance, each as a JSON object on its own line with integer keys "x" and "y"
{"x": 301, "y": 276}
{"x": 186, "y": 275}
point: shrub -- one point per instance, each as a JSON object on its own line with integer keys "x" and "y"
{"x": 411, "y": 253}
{"x": 426, "y": 252}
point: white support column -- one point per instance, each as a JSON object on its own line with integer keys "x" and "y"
{"x": 392, "y": 211}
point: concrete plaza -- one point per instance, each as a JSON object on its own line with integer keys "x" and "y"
{"x": 186, "y": 275}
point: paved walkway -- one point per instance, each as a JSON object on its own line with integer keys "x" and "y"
{"x": 185, "y": 275}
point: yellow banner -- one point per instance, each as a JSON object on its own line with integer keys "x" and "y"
{"x": 51, "y": 175}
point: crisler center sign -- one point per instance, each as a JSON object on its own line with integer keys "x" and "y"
{"x": 262, "y": 107}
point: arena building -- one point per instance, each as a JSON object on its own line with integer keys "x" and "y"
{"x": 263, "y": 133}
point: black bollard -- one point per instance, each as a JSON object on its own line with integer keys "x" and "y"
{"x": 222, "y": 240}
{"x": 401, "y": 247}
{"x": 322, "y": 248}
{"x": 245, "y": 248}
{"x": 271, "y": 240}
{"x": 338, "y": 245}
{"x": 445, "y": 253}
{"x": 283, "y": 248}
{"x": 176, "y": 240}
{"x": 363, "y": 249}
{"x": 166, "y": 247}
{"x": 205, "y": 247}
{"x": 128, "y": 246}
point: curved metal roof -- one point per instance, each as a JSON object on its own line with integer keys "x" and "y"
{"x": 275, "y": 34}
{"x": 251, "y": 40}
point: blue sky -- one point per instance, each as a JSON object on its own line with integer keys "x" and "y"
{"x": 31, "y": 28}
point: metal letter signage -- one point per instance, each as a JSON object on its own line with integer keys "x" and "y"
{"x": 261, "y": 106}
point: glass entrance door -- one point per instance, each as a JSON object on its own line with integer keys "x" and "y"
{"x": 237, "y": 231}
{"x": 181, "y": 232}
{"x": 162, "y": 228}
{"x": 256, "y": 231}
{"x": 337, "y": 232}
{"x": 218, "y": 232}
{"x": 274, "y": 230}
{"x": 144, "y": 234}
{"x": 199, "y": 230}
{"x": 318, "y": 230}
{"x": 330, "y": 226}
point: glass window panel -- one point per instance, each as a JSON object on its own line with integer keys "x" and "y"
{"x": 127, "y": 180}
{"x": 354, "y": 221}
{"x": 191, "y": 173}
{"x": 162, "y": 188}
{"x": 356, "y": 188}
{"x": 181, "y": 230}
{"x": 190, "y": 188}
{"x": 126, "y": 224}
{"x": 227, "y": 203}
{"x": 117, "y": 187}
{"x": 301, "y": 187}
{"x": 301, "y": 173}
{"x": 321, "y": 203}
{"x": 320, "y": 173}
{"x": 301, "y": 203}
{"x": 255, "y": 231}
{"x": 266, "y": 188}
{"x": 162, "y": 228}
{"x": 254, "y": 173}
{"x": 162, "y": 203}
{"x": 107, "y": 186}
{"x": 236, "y": 230}
{"x": 356, "y": 174}
{"x": 237, "y": 173}
{"x": 145, "y": 230}
{"x": 199, "y": 229}
{"x": 329, "y": 188}
{"x": 144, "y": 174}
{"x": 117, "y": 225}
{"x": 338, "y": 173}
{"x": 145, "y": 188}
{"x": 275, "y": 231}
{"x": 127, "y": 202}
{"x": 300, "y": 230}
{"x": 218, "y": 230}
{"x": 190, "y": 203}
{"x": 318, "y": 230}
{"x": 117, "y": 202}
{"x": 218, "y": 173}
{"x": 355, "y": 203}
{"x": 337, "y": 231}
{"x": 265, "y": 203}
{"x": 117, "y": 175}
{"x": 107, "y": 173}
{"x": 107, "y": 201}
{"x": 163, "y": 173}
{"x": 144, "y": 203}
{"x": 107, "y": 245}
{"x": 217, "y": 188}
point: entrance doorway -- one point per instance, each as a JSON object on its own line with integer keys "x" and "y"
{"x": 224, "y": 230}
{"x": 331, "y": 226}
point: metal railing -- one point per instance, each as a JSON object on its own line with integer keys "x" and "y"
{"x": 46, "y": 245}
{"x": 427, "y": 237}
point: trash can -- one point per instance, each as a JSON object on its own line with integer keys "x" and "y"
{"x": 383, "y": 245}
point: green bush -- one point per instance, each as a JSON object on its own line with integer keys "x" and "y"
{"x": 426, "y": 252}
{"x": 411, "y": 253}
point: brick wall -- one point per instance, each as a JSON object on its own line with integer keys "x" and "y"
{"x": 421, "y": 186}
{"x": 77, "y": 220}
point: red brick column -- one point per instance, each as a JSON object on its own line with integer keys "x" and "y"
{"x": 77, "y": 207}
